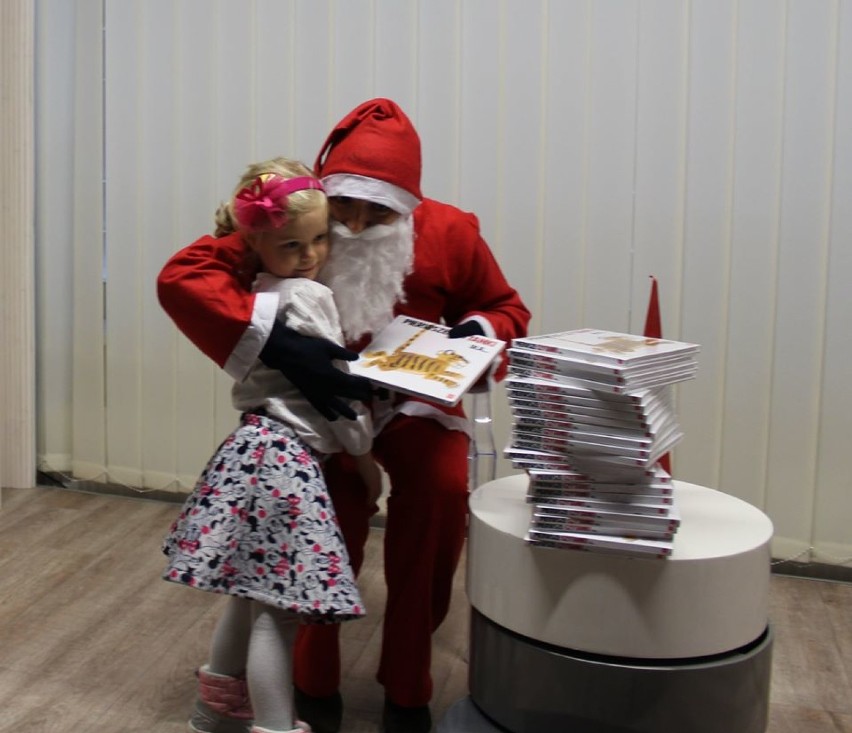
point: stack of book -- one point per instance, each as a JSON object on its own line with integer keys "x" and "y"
{"x": 592, "y": 415}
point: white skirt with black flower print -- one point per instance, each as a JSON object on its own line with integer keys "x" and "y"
{"x": 260, "y": 524}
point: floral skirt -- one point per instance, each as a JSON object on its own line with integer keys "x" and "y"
{"x": 260, "y": 525}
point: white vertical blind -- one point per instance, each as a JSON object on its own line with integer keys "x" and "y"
{"x": 17, "y": 296}
{"x": 87, "y": 447}
{"x": 810, "y": 50}
{"x": 832, "y": 483}
{"x": 707, "y": 224}
{"x": 54, "y": 259}
{"x": 707, "y": 143}
{"x": 756, "y": 144}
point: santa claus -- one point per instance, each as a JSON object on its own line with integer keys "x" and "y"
{"x": 393, "y": 252}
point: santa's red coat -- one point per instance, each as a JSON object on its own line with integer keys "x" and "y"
{"x": 455, "y": 277}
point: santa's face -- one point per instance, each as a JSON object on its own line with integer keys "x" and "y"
{"x": 366, "y": 268}
{"x": 357, "y": 214}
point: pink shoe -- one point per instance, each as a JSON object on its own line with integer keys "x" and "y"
{"x": 223, "y": 704}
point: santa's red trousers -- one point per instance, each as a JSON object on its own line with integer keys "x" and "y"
{"x": 424, "y": 536}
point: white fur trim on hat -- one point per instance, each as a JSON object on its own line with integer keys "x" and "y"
{"x": 370, "y": 189}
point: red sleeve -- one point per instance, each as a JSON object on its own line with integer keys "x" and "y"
{"x": 204, "y": 290}
{"x": 479, "y": 287}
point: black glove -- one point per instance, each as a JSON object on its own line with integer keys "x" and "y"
{"x": 307, "y": 362}
{"x": 468, "y": 328}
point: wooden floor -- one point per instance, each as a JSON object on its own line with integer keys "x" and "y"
{"x": 92, "y": 640}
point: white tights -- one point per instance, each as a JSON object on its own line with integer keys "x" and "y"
{"x": 257, "y": 639}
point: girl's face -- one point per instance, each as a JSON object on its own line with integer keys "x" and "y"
{"x": 298, "y": 249}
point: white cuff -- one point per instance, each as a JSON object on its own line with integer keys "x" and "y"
{"x": 488, "y": 385}
{"x": 248, "y": 348}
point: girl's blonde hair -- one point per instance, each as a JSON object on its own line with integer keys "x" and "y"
{"x": 298, "y": 202}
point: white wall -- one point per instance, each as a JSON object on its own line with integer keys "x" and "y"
{"x": 706, "y": 142}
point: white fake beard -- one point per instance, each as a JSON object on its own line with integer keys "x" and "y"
{"x": 365, "y": 272}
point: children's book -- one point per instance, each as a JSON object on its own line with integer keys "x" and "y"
{"x": 541, "y": 490}
{"x": 526, "y": 459}
{"x": 633, "y": 511}
{"x": 556, "y": 482}
{"x": 618, "y": 389}
{"x": 604, "y": 372}
{"x": 622, "y": 545}
{"x": 548, "y": 495}
{"x": 606, "y": 347}
{"x": 418, "y": 358}
{"x": 547, "y": 523}
{"x": 578, "y": 416}
{"x": 556, "y": 368}
{"x": 573, "y": 392}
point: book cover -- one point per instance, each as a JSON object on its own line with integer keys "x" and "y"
{"x": 580, "y": 514}
{"x": 552, "y": 495}
{"x": 617, "y": 389}
{"x": 582, "y": 429}
{"x": 585, "y": 448}
{"x": 547, "y": 523}
{"x": 574, "y": 404}
{"x": 623, "y": 545}
{"x": 418, "y": 358}
{"x": 557, "y": 481}
{"x": 599, "y": 346}
{"x": 567, "y": 364}
{"x": 548, "y": 493}
{"x": 579, "y": 416}
{"x": 554, "y": 391}
{"x": 526, "y": 459}
{"x": 653, "y": 420}
{"x": 593, "y": 462}
{"x": 633, "y": 510}
{"x": 574, "y": 439}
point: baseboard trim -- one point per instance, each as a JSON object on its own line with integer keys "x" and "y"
{"x": 52, "y": 480}
{"x": 813, "y": 570}
{"x": 60, "y": 481}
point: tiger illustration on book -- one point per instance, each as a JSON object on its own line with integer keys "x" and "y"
{"x": 435, "y": 368}
{"x": 624, "y": 344}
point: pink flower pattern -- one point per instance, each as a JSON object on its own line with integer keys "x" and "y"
{"x": 260, "y": 524}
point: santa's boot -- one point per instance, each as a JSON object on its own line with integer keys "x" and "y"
{"x": 223, "y": 704}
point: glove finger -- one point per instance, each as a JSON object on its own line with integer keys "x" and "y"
{"x": 338, "y": 352}
{"x": 351, "y": 386}
{"x": 468, "y": 328}
{"x": 341, "y": 409}
{"x": 331, "y": 408}
{"x": 324, "y": 408}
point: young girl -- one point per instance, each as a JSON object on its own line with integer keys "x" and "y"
{"x": 259, "y": 525}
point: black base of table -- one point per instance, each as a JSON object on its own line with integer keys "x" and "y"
{"x": 520, "y": 685}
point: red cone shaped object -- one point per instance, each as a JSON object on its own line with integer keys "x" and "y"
{"x": 654, "y": 329}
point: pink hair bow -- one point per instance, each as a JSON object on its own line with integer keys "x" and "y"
{"x": 263, "y": 204}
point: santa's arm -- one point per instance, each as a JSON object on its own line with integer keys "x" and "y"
{"x": 479, "y": 289}
{"x": 481, "y": 296}
{"x": 200, "y": 288}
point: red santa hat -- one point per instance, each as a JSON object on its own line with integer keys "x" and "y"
{"x": 373, "y": 154}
